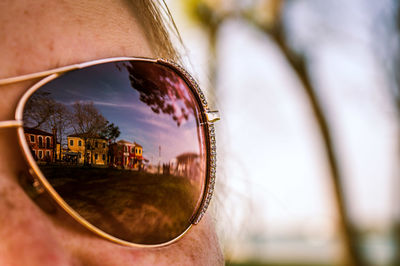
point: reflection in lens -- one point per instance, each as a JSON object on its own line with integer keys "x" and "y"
{"x": 122, "y": 144}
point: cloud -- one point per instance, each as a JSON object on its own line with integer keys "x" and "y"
{"x": 136, "y": 107}
{"x": 157, "y": 122}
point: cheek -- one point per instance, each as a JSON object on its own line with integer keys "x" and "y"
{"x": 26, "y": 235}
{"x": 198, "y": 247}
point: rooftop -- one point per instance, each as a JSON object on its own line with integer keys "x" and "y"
{"x": 36, "y": 131}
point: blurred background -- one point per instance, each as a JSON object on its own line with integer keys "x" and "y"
{"x": 309, "y": 95}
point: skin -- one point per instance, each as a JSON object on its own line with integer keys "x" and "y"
{"x": 39, "y": 35}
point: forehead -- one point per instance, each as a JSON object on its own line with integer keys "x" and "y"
{"x": 39, "y": 35}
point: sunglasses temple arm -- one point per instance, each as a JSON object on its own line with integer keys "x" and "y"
{"x": 38, "y": 74}
{"x": 11, "y": 123}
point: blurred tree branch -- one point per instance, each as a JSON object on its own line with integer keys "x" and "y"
{"x": 389, "y": 29}
{"x": 386, "y": 34}
{"x": 210, "y": 14}
{"x": 267, "y": 15}
{"x": 273, "y": 25}
{"x": 396, "y": 96}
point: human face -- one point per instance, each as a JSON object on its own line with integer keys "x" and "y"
{"x": 40, "y": 35}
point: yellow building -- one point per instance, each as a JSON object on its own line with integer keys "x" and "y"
{"x": 138, "y": 151}
{"x": 60, "y": 151}
{"x": 96, "y": 149}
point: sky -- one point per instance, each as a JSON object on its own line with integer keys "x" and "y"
{"x": 110, "y": 91}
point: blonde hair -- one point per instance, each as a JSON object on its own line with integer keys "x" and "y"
{"x": 155, "y": 17}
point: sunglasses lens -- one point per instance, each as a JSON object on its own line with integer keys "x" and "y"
{"x": 123, "y": 145}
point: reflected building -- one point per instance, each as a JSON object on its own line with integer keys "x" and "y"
{"x": 61, "y": 151}
{"x": 41, "y": 144}
{"x": 95, "y": 147}
{"x": 186, "y": 164}
{"x": 127, "y": 155}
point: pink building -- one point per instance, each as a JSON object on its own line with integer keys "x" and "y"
{"x": 126, "y": 155}
{"x": 41, "y": 144}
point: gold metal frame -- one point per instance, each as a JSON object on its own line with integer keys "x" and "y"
{"x": 46, "y": 76}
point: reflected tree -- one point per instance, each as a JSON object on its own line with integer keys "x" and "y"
{"x": 82, "y": 118}
{"x": 38, "y": 110}
{"x": 110, "y": 132}
{"x": 60, "y": 122}
{"x": 158, "y": 90}
{"x": 43, "y": 112}
{"x": 88, "y": 123}
{"x": 164, "y": 91}
{"x": 87, "y": 119}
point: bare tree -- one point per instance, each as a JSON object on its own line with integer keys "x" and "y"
{"x": 60, "y": 121}
{"x": 38, "y": 110}
{"x": 43, "y": 112}
{"x": 88, "y": 123}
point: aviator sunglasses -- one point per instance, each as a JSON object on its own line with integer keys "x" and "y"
{"x": 126, "y": 146}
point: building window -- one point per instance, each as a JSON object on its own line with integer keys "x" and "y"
{"x": 40, "y": 154}
{"x": 71, "y": 142}
{"x": 96, "y": 144}
{"x": 40, "y": 142}
{"x": 48, "y": 154}
{"x": 125, "y": 149}
{"x": 104, "y": 157}
{"x": 104, "y": 145}
{"x": 32, "y": 138}
{"x": 79, "y": 142}
{"x": 48, "y": 142}
{"x": 96, "y": 156}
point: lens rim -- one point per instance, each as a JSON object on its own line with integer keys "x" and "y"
{"x": 209, "y": 133}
